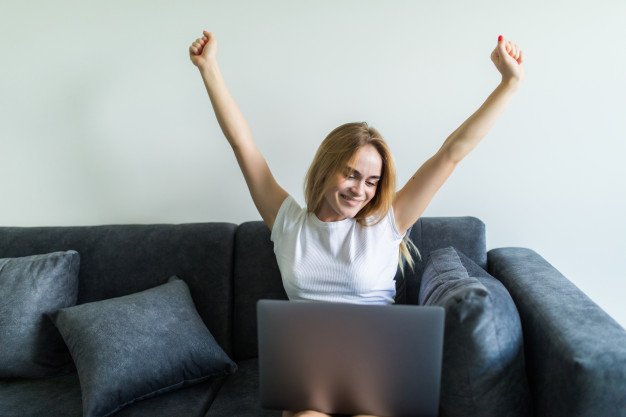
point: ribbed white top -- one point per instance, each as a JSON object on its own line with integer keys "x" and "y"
{"x": 338, "y": 261}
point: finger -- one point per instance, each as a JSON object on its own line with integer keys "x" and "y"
{"x": 521, "y": 57}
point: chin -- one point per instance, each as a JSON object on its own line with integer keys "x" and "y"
{"x": 350, "y": 211}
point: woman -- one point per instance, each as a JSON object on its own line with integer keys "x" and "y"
{"x": 354, "y": 224}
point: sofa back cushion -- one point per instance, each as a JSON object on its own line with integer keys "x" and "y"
{"x": 256, "y": 273}
{"x": 117, "y": 260}
{"x": 256, "y": 276}
{"x": 465, "y": 233}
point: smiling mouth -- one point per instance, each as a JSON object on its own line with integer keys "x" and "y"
{"x": 349, "y": 199}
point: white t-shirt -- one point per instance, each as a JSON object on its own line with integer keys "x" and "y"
{"x": 338, "y": 261}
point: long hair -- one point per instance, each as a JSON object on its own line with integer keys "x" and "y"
{"x": 339, "y": 149}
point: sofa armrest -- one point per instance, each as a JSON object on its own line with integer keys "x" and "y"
{"x": 575, "y": 353}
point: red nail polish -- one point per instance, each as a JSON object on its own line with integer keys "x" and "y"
{"x": 500, "y": 38}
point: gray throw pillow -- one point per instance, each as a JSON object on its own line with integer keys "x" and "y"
{"x": 139, "y": 346}
{"x": 483, "y": 371}
{"x": 30, "y": 286}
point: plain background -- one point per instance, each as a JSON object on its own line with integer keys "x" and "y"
{"x": 104, "y": 120}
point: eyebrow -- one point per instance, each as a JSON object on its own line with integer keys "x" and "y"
{"x": 376, "y": 177}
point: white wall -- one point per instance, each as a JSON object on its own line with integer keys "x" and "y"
{"x": 103, "y": 118}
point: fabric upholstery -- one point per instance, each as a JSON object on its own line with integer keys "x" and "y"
{"x": 483, "y": 370}
{"x": 118, "y": 260}
{"x": 575, "y": 352}
{"x": 138, "y": 346}
{"x": 256, "y": 276}
{"x": 256, "y": 273}
{"x": 57, "y": 396}
{"x": 465, "y": 233}
{"x": 30, "y": 286}
{"x": 60, "y": 396}
{"x": 239, "y": 396}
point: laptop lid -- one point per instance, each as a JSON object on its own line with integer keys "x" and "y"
{"x": 350, "y": 358}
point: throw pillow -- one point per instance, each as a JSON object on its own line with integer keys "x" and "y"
{"x": 138, "y": 346}
{"x": 483, "y": 371}
{"x": 30, "y": 286}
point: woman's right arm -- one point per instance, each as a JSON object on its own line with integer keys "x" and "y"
{"x": 265, "y": 191}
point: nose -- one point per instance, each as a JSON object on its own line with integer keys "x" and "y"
{"x": 358, "y": 189}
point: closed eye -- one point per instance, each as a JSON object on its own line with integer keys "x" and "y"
{"x": 371, "y": 184}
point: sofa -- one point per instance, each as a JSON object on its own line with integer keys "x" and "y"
{"x": 575, "y": 354}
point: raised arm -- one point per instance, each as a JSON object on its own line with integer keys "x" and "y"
{"x": 265, "y": 191}
{"x": 411, "y": 201}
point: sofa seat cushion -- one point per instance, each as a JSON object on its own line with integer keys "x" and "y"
{"x": 60, "y": 396}
{"x": 239, "y": 395}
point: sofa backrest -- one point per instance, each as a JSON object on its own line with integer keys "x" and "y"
{"x": 117, "y": 260}
{"x": 256, "y": 273}
{"x": 228, "y": 268}
{"x": 465, "y": 233}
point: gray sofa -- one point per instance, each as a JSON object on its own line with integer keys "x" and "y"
{"x": 575, "y": 354}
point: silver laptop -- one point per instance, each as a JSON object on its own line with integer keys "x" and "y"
{"x": 350, "y": 358}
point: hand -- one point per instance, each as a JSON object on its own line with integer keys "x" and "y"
{"x": 204, "y": 50}
{"x": 508, "y": 58}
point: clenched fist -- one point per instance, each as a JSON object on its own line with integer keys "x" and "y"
{"x": 204, "y": 50}
{"x": 508, "y": 59}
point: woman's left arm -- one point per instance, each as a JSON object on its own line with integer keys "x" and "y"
{"x": 411, "y": 201}
{"x": 507, "y": 58}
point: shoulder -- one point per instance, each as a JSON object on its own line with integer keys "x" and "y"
{"x": 288, "y": 214}
{"x": 399, "y": 231}
{"x": 290, "y": 205}
{"x": 384, "y": 223}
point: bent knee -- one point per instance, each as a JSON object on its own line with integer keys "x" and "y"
{"x": 306, "y": 413}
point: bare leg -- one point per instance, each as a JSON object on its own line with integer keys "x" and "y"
{"x": 307, "y": 413}
{"x": 311, "y": 413}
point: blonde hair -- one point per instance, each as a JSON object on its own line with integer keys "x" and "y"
{"x": 339, "y": 149}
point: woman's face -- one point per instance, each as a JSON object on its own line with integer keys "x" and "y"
{"x": 351, "y": 190}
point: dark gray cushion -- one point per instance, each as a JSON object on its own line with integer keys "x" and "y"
{"x": 60, "y": 396}
{"x": 239, "y": 396}
{"x": 138, "y": 346}
{"x": 483, "y": 360}
{"x": 123, "y": 259}
{"x": 30, "y": 286}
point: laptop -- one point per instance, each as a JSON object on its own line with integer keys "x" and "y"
{"x": 341, "y": 358}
